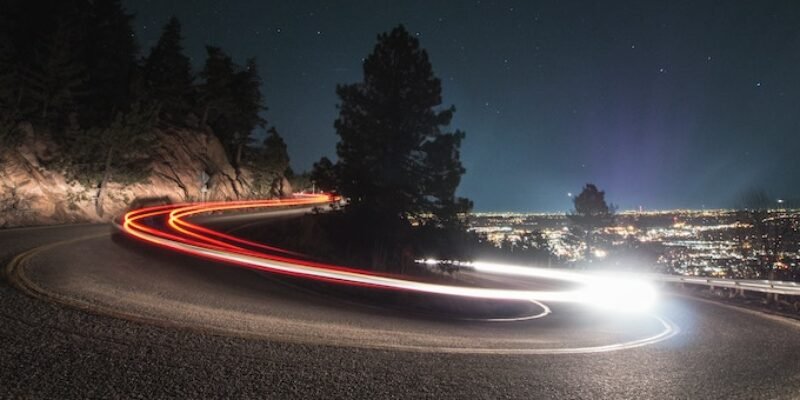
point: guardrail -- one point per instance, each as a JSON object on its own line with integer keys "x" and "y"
{"x": 752, "y": 285}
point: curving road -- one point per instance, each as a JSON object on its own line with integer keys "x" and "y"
{"x": 85, "y": 314}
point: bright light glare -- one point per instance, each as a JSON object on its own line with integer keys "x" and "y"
{"x": 617, "y": 293}
{"x": 620, "y": 294}
{"x": 612, "y": 293}
{"x": 600, "y": 253}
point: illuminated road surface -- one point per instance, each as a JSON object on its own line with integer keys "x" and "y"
{"x": 243, "y": 335}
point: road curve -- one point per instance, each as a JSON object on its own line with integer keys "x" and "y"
{"x": 90, "y": 316}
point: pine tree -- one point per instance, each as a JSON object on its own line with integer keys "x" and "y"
{"x": 18, "y": 40}
{"x": 324, "y": 175}
{"x": 41, "y": 67}
{"x": 110, "y": 59}
{"x": 270, "y": 164}
{"x": 57, "y": 77}
{"x": 591, "y": 202}
{"x": 10, "y": 89}
{"x": 247, "y": 115}
{"x": 216, "y": 91}
{"x": 231, "y": 101}
{"x": 8, "y": 68}
{"x": 251, "y": 100}
{"x": 274, "y": 154}
{"x": 168, "y": 74}
{"x": 75, "y": 59}
{"x": 394, "y": 158}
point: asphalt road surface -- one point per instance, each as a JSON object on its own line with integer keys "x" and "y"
{"x": 83, "y": 315}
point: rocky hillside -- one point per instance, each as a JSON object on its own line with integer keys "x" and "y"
{"x": 33, "y": 191}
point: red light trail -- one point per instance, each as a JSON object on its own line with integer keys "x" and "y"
{"x": 167, "y": 227}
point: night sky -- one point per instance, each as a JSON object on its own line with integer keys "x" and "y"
{"x": 667, "y": 104}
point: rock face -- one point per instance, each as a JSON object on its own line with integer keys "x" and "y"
{"x": 32, "y": 194}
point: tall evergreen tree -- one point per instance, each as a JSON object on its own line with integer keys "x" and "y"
{"x": 57, "y": 77}
{"x": 8, "y": 68}
{"x": 168, "y": 74}
{"x": 274, "y": 152}
{"x": 110, "y": 61}
{"x": 231, "y": 101}
{"x": 395, "y": 160}
{"x": 249, "y": 105}
{"x": 76, "y": 57}
{"x": 43, "y": 70}
{"x": 10, "y": 90}
{"x": 21, "y": 37}
{"x": 216, "y": 90}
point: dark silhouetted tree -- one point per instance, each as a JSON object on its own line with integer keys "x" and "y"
{"x": 249, "y": 103}
{"x": 395, "y": 161}
{"x": 167, "y": 74}
{"x": 274, "y": 153}
{"x": 444, "y": 171}
{"x": 8, "y": 67}
{"x": 591, "y": 202}
{"x": 10, "y": 90}
{"x": 270, "y": 164}
{"x": 323, "y": 175}
{"x": 591, "y": 212}
{"x": 27, "y": 39}
{"x": 56, "y": 78}
{"x": 74, "y": 60}
{"x": 216, "y": 90}
{"x": 231, "y": 101}
{"x": 110, "y": 54}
